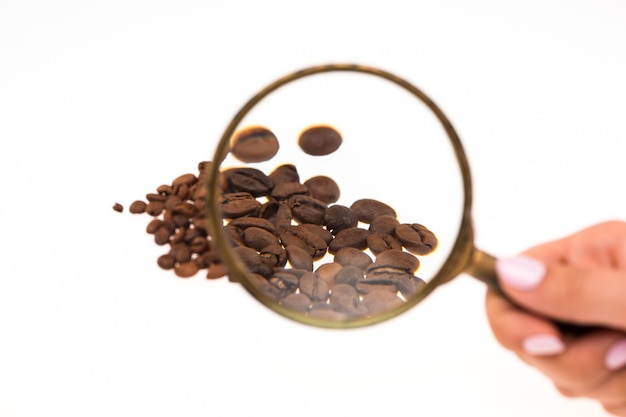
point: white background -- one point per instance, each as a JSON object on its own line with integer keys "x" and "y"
{"x": 103, "y": 101}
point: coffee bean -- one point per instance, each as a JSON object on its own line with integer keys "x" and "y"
{"x": 235, "y": 205}
{"x": 338, "y": 218}
{"x": 399, "y": 259}
{"x": 180, "y": 252}
{"x": 377, "y": 243}
{"x": 249, "y": 180}
{"x": 137, "y": 207}
{"x": 303, "y": 238}
{"x": 377, "y": 302}
{"x": 320, "y": 140}
{"x": 323, "y": 188}
{"x": 118, "y": 207}
{"x": 254, "y": 144}
{"x": 344, "y": 298}
{"x": 285, "y": 173}
{"x": 216, "y": 271}
{"x": 273, "y": 255}
{"x": 307, "y": 209}
{"x": 353, "y": 237}
{"x": 367, "y": 209}
{"x": 416, "y": 238}
{"x": 186, "y": 269}
{"x": 166, "y": 261}
{"x": 258, "y": 238}
{"x": 317, "y": 230}
{"x": 299, "y": 258}
{"x": 328, "y": 272}
{"x": 185, "y": 179}
{"x": 314, "y": 287}
{"x": 154, "y": 224}
{"x": 349, "y": 274}
{"x": 285, "y": 190}
{"x": 354, "y": 257}
{"x": 384, "y": 224}
{"x": 277, "y": 213}
{"x": 296, "y": 302}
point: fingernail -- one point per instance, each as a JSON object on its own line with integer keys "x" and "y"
{"x": 616, "y": 355}
{"x": 543, "y": 345}
{"x": 520, "y": 272}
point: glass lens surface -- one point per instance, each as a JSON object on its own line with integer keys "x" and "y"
{"x": 342, "y": 196}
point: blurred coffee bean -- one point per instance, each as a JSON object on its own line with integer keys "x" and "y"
{"x": 323, "y": 188}
{"x": 254, "y": 144}
{"x": 320, "y": 140}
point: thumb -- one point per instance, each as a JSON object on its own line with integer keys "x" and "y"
{"x": 591, "y": 296}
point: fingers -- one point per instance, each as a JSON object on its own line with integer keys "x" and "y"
{"x": 591, "y": 295}
{"x": 593, "y": 365}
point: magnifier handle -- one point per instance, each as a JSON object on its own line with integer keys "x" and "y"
{"x": 484, "y": 269}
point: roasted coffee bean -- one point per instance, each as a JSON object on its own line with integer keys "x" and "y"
{"x": 299, "y": 258}
{"x": 353, "y": 237}
{"x": 166, "y": 261}
{"x": 367, "y": 209}
{"x": 409, "y": 285}
{"x": 153, "y": 226}
{"x": 273, "y": 255}
{"x": 246, "y": 222}
{"x": 198, "y": 245}
{"x": 156, "y": 197}
{"x": 164, "y": 189}
{"x": 377, "y": 243}
{"x": 349, "y": 274}
{"x": 298, "y": 236}
{"x": 155, "y": 208}
{"x": 314, "y": 287}
{"x": 277, "y": 213}
{"x": 180, "y": 220}
{"x": 384, "y": 225}
{"x": 258, "y": 238}
{"x": 416, "y": 238}
{"x": 249, "y": 180}
{"x": 345, "y": 298}
{"x": 338, "y": 218}
{"x": 285, "y": 173}
{"x": 289, "y": 281}
{"x": 367, "y": 286}
{"x": 235, "y": 205}
{"x": 377, "y": 302}
{"x": 320, "y": 140}
{"x": 162, "y": 235}
{"x": 399, "y": 259}
{"x": 384, "y": 271}
{"x": 354, "y": 257}
{"x": 252, "y": 260}
{"x": 186, "y": 269}
{"x": 137, "y": 207}
{"x": 296, "y": 302}
{"x": 285, "y": 190}
{"x": 216, "y": 271}
{"x": 323, "y": 188}
{"x": 187, "y": 209}
{"x": 328, "y": 272}
{"x": 254, "y": 144}
{"x": 264, "y": 286}
{"x": 118, "y": 207}
{"x": 317, "y": 230}
{"x": 180, "y": 252}
{"x": 185, "y": 179}
{"x": 305, "y": 209}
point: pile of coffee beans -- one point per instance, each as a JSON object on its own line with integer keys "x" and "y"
{"x": 179, "y": 223}
{"x": 303, "y": 250}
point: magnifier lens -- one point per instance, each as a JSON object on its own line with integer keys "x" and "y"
{"x": 340, "y": 197}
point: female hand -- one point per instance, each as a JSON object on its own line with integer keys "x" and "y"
{"x": 580, "y": 279}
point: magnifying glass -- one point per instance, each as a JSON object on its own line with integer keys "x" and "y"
{"x": 340, "y": 196}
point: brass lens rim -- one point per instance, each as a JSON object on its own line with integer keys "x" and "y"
{"x": 457, "y": 261}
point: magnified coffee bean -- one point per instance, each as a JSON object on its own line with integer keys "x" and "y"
{"x": 416, "y": 238}
{"x": 258, "y": 238}
{"x": 235, "y": 205}
{"x": 384, "y": 224}
{"x": 299, "y": 258}
{"x": 399, "y": 259}
{"x": 249, "y": 180}
{"x": 380, "y": 301}
{"x": 310, "y": 242}
{"x": 320, "y": 140}
{"x": 378, "y": 243}
{"x": 314, "y": 287}
{"x": 350, "y": 256}
{"x": 285, "y": 173}
{"x": 349, "y": 274}
{"x": 338, "y": 218}
{"x": 296, "y": 302}
{"x": 307, "y": 209}
{"x": 353, "y": 237}
{"x": 273, "y": 255}
{"x": 323, "y": 188}
{"x": 254, "y": 144}
{"x": 368, "y": 209}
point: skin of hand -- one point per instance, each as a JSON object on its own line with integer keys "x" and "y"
{"x": 579, "y": 279}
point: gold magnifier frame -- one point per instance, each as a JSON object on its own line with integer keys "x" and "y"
{"x": 463, "y": 258}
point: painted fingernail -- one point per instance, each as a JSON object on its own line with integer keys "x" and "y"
{"x": 543, "y": 345}
{"x": 520, "y": 272}
{"x": 616, "y": 355}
